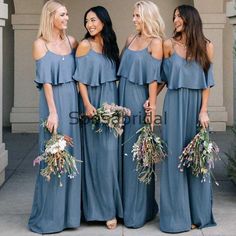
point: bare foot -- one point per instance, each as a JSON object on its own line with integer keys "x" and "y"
{"x": 193, "y": 226}
{"x": 111, "y": 224}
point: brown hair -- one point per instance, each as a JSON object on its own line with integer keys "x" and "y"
{"x": 196, "y": 42}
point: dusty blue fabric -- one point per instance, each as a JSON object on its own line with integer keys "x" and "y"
{"x": 56, "y": 208}
{"x": 136, "y": 71}
{"x": 94, "y": 71}
{"x": 101, "y": 195}
{"x": 184, "y": 200}
{"x": 55, "y": 72}
{"x": 140, "y": 69}
{"x": 179, "y": 73}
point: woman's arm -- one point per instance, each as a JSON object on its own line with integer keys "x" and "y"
{"x": 150, "y": 117}
{"x": 82, "y": 50}
{"x": 157, "y": 53}
{"x": 203, "y": 115}
{"x": 90, "y": 109}
{"x": 52, "y": 120}
{"x": 39, "y": 50}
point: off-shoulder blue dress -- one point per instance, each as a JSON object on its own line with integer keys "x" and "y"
{"x": 184, "y": 200}
{"x": 100, "y": 170}
{"x": 56, "y": 208}
{"x": 137, "y": 70}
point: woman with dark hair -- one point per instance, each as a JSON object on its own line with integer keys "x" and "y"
{"x": 185, "y": 202}
{"x": 97, "y": 58}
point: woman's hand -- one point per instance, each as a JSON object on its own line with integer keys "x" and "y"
{"x": 146, "y": 106}
{"x": 204, "y": 119}
{"x": 150, "y": 114}
{"x": 90, "y": 110}
{"x": 52, "y": 122}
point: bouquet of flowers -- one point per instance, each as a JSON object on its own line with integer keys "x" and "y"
{"x": 58, "y": 160}
{"x": 112, "y": 116}
{"x": 148, "y": 150}
{"x": 200, "y": 155}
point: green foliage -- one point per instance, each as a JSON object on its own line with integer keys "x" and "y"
{"x": 147, "y": 151}
{"x": 199, "y": 155}
{"x": 232, "y": 160}
{"x": 112, "y": 116}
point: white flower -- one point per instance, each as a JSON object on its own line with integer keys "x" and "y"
{"x": 52, "y": 149}
{"x": 62, "y": 144}
{"x": 210, "y": 146}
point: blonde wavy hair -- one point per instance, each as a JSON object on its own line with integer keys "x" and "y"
{"x": 150, "y": 15}
{"x": 46, "y": 20}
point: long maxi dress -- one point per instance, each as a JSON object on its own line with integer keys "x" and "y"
{"x": 137, "y": 69}
{"x": 56, "y": 208}
{"x": 184, "y": 200}
{"x": 101, "y": 196}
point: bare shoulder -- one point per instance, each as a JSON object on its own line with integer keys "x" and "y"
{"x": 210, "y": 50}
{"x": 73, "y": 41}
{"x": 167, "y": 47}
{"x": 156, "y": 43}
{"x": 167, "y": 44}
{"x": 39, "y": 49}
{"x": 83, "y": 48}
{"x": 156, "y": 48}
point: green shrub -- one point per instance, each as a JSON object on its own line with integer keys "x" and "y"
{"x": 232, "y": 160}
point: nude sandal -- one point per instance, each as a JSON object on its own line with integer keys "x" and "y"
{"x": 111, "y": 224}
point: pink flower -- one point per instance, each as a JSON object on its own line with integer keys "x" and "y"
{"x": 37, "y": 160}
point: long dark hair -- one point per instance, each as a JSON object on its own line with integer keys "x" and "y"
{"x": 110, "y": 47}
{"x": 196, "y": 42}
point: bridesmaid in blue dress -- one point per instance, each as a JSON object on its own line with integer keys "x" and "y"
{"x": 140, "y": 73}
{"x": 97, "y": 58}
{"x": 56, "y": 208}
{"x": 185, "y": 202}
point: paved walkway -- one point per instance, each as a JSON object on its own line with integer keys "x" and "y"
{"x": 17, "y": 193}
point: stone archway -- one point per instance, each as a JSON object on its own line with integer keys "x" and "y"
{"x": 3, "y": 152}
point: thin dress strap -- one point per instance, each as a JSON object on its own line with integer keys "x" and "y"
{"x": 90, "y": 44}
{"x": 69, "y": 43}
{"x": 131, "y": 41}
{"x": 149, "y": 45}
{"x": 46, "y": 46}
{"x": 173, "y": 43}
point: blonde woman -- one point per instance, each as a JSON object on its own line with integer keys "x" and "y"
{"x": 55, "y": 208}
{"x": 140, "y": 73}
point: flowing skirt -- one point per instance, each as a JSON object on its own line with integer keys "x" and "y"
{"x": 101, "y": 195}
{"x": 56, "y": 208}
{"x": 184, "y": 199}
{"x": 138, "y": 198}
